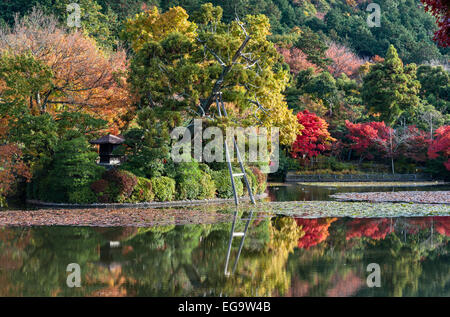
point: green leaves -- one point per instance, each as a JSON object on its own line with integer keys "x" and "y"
{"x": 25, "y": 79}
{"x": 179, "y": 65}
{"x": 391, "y": 89}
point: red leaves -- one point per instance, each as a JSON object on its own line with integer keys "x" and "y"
{"x": 367, "y": 136}
{"x": 372, "y": 228}
{"x": 441, "y": 145}
{"x": 12, "y": 167}
{"x": 315, "y": 137}
{"x": 376, "y": 138}
{"x": 316, "y": 231}
{"x": 441, "y": 11}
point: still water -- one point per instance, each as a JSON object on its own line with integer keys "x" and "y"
{"x": 282, "y": 256}
{"x": 298, "y": 192}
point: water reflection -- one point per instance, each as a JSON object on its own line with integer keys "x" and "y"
{"x": 281, "y": 256}
{"x": 298, "y": 192}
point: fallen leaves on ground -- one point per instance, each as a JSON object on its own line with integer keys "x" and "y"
{"x": 135, "y": 217}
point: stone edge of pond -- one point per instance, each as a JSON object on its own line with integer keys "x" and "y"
{"x": 153, "y": 204}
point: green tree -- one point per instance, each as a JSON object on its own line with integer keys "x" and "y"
{"x": 391, "y": 89}
{"x": 179, "y": 66}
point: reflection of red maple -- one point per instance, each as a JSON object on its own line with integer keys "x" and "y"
{"x": 440, "y": 224}
{"x": 372, "y": 228}
{"x": 316, "y": 231}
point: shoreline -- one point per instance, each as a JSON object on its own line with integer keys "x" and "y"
{"x": 152, "y": 204}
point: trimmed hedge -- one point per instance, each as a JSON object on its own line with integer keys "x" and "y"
{"x": 223, "y": 184}
{"x": 194, "y": 182}
{"x": 143, "y": 191}
{"x": 121, "y": 184}
{"x": 84, "y": 195}
{"x": 164, "y": 188}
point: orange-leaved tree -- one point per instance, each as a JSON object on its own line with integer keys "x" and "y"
{"x": 80, "y": 76}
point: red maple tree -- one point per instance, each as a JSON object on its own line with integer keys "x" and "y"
{"x": 441, "y": 145}
{"x": 366, "y": 137}
{"x": 314, "y": 138}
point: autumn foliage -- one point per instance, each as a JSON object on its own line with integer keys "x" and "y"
{"x": 366, "y": 137}
{"x": 296, "y": 59}
{"x": 11, "y": 167}
{"x": 371, "y": 228}
{"x": 83, "y": 77}
{"x": 314, "y": 138}
{"x": 441, "y": 146}
{"x": 316, "y": 231}
{"x": 441, "y": 11}
{"x": 343, "y": 60}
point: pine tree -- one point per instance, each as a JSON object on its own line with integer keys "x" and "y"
{"x": 391, "y": 89}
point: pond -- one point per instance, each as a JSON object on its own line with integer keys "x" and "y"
{"x": 301, "y": 192}
{"x": 282, "y": 256}
{"x": 316, "y": 248}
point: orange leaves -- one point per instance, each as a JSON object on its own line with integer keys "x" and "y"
{"x": 11, "y": 166}
{"x": 84, "y": 77}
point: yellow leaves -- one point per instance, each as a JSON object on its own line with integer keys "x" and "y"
{"x": 151, "y": 25}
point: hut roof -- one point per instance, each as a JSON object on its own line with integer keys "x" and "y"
{"x": 109, "y": 139}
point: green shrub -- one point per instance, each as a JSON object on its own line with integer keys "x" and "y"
{"x": 261, "y": 179}
{"x": 143, "y": 191}
{"x": 72, "y": 168}
{"x": 164, "y": 188}
{"x": 208, "y": 187}
{"x": 253, "y": 182}
{"x": 194, "y": 182}
{"x": 223, "y": 184}
{"x": 83, "y": 195}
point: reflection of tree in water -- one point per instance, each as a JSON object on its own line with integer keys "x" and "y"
{"x": 193, "y": 258}
{"x": 337, "y": 265}
{"x": 315, "y": 231}
{"x": 44, "y": 254}
{"x": 189, "y": 260}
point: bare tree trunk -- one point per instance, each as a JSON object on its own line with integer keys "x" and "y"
{"x": 392, "y": 154}
{"x": 392, "y": 163}
{"x": 431, "y": 129}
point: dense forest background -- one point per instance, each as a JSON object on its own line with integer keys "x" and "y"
{"x": 347, "y": 97}
{"x": 404, "y": 23}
